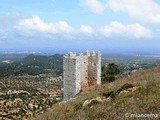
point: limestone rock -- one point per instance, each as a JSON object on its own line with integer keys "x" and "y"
{"x": 123, "y": 91}
{"x": 96, "y": 100}
{"x": 87, "y": 102}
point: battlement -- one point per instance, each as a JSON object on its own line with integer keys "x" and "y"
{"x": 80, "y": 71}
{"x": 86, "y": 54}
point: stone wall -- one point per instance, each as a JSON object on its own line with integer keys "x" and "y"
{"x": 80, "y": 72}
{"x": 70, "y": 76}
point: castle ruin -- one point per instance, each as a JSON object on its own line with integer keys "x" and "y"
{"x": 80, "y": 72}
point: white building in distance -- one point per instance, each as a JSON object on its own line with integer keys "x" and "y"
{"x": 80, "y": 72}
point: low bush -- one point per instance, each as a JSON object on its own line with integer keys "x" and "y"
{"x": 109, "y": 94}
{"x": 124, "y": 87}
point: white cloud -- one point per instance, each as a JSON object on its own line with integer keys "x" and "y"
{"x": 94, "y": 6}
{"x": 9, "y": 19}
{"x": 144, "y": 10}
{"x": 61, "y": 27}
{"x": 133, "y": 30}
{"x": 86, "y": 29}
{"x": 35, "y": 23}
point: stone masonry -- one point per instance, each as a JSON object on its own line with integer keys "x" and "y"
{"x": 80, "y": 72}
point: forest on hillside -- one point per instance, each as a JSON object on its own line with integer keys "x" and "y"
{"x": 32, "y": 65}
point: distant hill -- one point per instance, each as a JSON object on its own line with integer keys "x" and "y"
{"x": 12, "y": 56}
{"x": 137, "y": 94}
{"x": 33, "y": 65}
{"x": 54, "y": 61}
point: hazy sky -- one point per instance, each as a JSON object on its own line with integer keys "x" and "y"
{"x": 72, "y": 25}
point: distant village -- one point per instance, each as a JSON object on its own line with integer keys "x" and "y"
{"x": 37, "y": 96}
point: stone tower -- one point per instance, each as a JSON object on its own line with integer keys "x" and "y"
{"x": 80, "y": 72}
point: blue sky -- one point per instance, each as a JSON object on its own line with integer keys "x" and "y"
{"x": 120, "y": 26}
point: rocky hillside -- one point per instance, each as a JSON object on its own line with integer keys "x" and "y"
{"x": 137, "y": 94}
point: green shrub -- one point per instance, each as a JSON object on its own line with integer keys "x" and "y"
{"x": 126, "y": 86}
{"x": 108, "y": 78}
{"x": 109, "y": 94}
{"x": 109, "y": 72}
